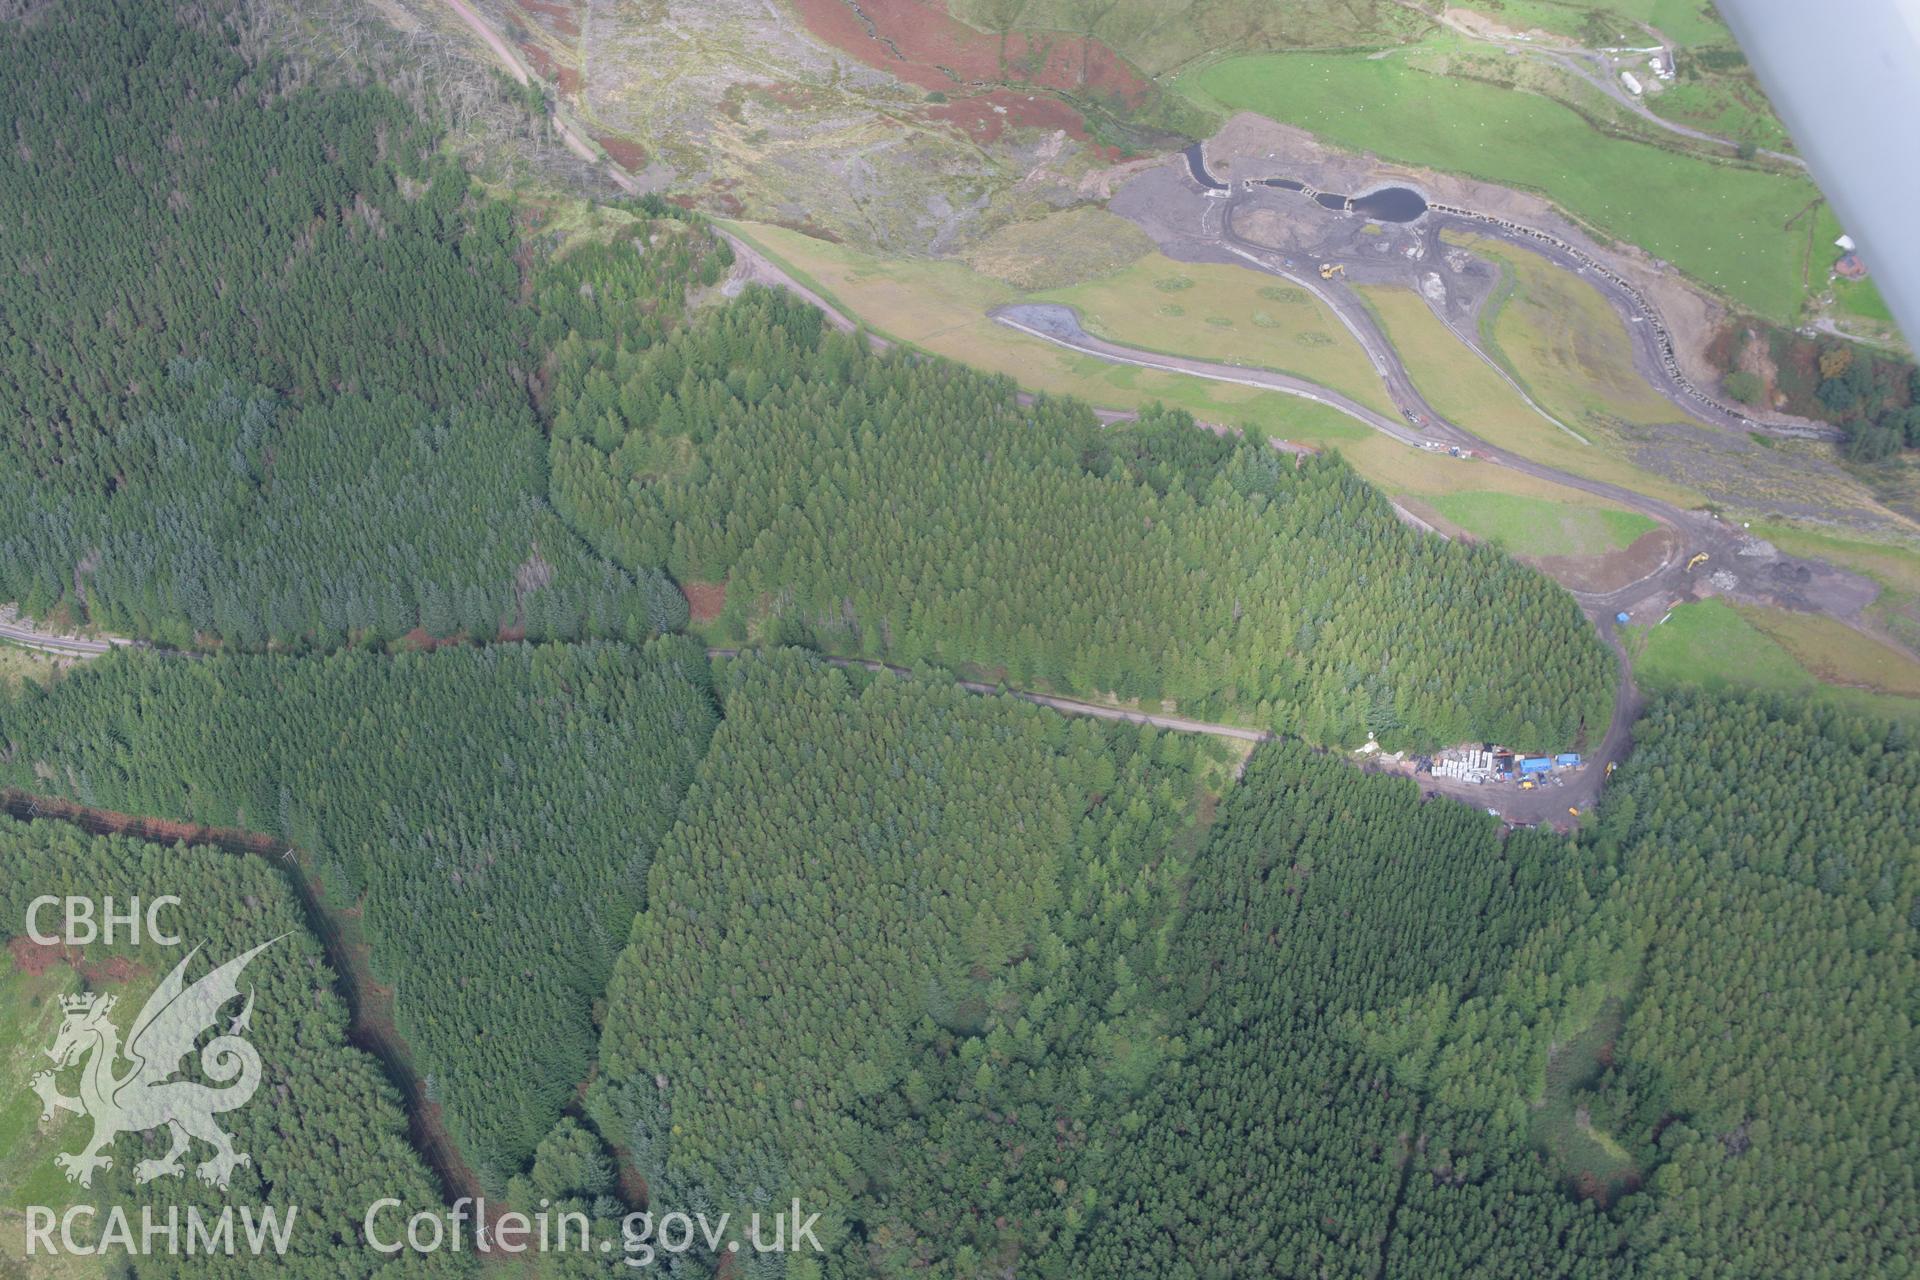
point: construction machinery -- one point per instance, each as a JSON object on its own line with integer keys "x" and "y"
{"x": 1526, "y": 784}
{"x": 1696, "y": 562}
{"x": 1328, "y": 270}
{"x": 1574, "y": 811}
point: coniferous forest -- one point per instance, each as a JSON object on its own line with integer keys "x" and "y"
{"x": 265, "y": 375}
{"x": 491, "y": 812}
{"x": 337, "y": 1139}
{"x": 403, "y": 478}
{"x": 914, "y": 510}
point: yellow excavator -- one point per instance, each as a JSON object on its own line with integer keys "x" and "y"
{"x": 1696, "y": 562}
{"x": 1328, "y": 270}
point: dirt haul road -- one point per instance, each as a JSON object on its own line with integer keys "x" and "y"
{"x": 518, "y": 70}
{"x": 1758, "y": 576}
{"x": 1793, "y": 583}
{"x": 28, "y": 635}
{"x": 1594, "y": 67}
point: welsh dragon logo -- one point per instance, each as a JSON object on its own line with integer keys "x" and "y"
{"x": 142, "y": 1096}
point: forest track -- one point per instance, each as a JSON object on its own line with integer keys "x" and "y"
{"x": 1067, "y": 706}
{"x": 14, "y": 630}
{"x": 569, "y": 136}
{"x": 757, "y": 268}
{"x": 1592, "y": 67}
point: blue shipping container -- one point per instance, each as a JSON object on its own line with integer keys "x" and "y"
{"x": 1539, "y": 764}
{"x": 1568, "y": 759}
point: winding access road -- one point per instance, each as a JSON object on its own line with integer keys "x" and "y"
{"x": 1781, "y": 581}
{"x": 1593, "y": 67}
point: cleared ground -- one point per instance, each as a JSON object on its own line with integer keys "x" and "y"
{"x": 1229, "y": 315}
{"x": 1158, "y": 36}
{"x": 18, "y": 665}
{"x": 1728, "y": 227}
{"x": 1060, "y": 249}
{"x": 1535, "y": 527}
{"x": 1559, "y": 338}
{"x": 1720, "y": 646}
{"x": 1895, "y": 568}
{"x": 29, "y": 1017}
{"x": 941, "y": 307}
{"x": 1467, "y": 391}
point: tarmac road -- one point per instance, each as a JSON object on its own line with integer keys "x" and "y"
{"x": 27, "y": 636}
{"x": 1777, "y": 580}
{"x": 1593, "y": 67}
{"x": 1645, "y": 329}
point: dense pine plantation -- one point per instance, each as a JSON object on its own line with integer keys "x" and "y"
{"x": 1356, "y": 1051}
{"x": 325, "y": 1131}
{"x": 1281, "y": 1144}
{"x": 896, "y": 961}
{"x": 911, "y": 509}
{"x": 1751, "y": 963}
{"x": 495, "y": 808}
{"x": 996, "y": 991}
{"x": 265, "y": 371}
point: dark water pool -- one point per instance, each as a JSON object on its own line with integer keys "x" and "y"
{"x": 1388, "y": 204}
{"x": 1197, "y": 166}
{"x": 1391, "y": 204}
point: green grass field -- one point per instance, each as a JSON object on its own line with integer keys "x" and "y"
{"x": 1725, "y": 107}
{"x": 1686, "y": 22}
{"x": 1227, "y": 314}
{"x": 1559, "y": 338}
{"x": 1535, "y": 527}
{"x": 1715, "y": 646}
{"x": 941, "y": 307}
{"x": 1462, "y": 387}
{"x": 1721, "y": 224}
{"x": 29, "y": 1016}
{"x": 1861, "y": 298}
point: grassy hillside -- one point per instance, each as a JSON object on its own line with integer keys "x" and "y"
{"x": 1558, "y": 336}
{"x": 1227, "y": 314}
{"x": 1461, "y": 386}
{"x": 1533, "y": 527}
{"x": 1722, "y": 647}
{"x": 1724, "y": 225}
{"x": 941, "y": 307}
